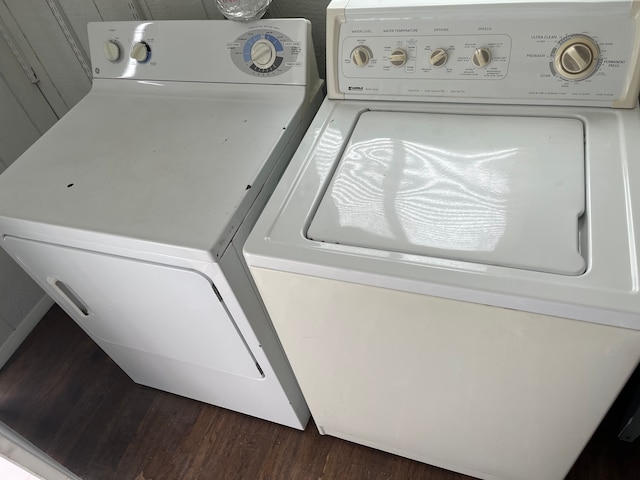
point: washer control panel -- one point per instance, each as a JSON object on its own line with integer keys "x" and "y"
{"x": 274, "y": 51}
{"x": 490, "y": 53}
{"x": 449, "y": 57}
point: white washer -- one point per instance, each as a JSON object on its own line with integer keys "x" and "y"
{"x": 450, "y": 259}
{"x": 132, "y": 210}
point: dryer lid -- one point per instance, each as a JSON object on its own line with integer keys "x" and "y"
{"x": 496, "y": 190}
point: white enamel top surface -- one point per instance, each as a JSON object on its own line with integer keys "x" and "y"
{"x": 608, "y": 292}
{"x": 167, "y": 163}
{"x": 497, "y": 190}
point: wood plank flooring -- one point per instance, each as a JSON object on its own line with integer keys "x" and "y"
{"x": 61, "y": 392}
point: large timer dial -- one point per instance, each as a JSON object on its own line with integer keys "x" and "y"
{"x": 576, "y": 58}
{"x": 263, "y": 52}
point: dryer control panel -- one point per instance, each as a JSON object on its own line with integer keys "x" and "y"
{"x": 275, "y": 51}
{"x": 264, "y": 52}
{"x": 486, "y": 52}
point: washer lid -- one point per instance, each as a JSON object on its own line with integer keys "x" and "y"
{"x": 496, "y": 190}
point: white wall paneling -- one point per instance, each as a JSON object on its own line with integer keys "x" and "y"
{"x": 212, "y": 10}
{"x": 17, "y": 131}
{"x": 25, "y": 113}
{"x": 172, "y": 10}
{"x": 20, "y": 79}
{"x": 314, "y": 11}
{"x": 112, "y": 10}
{"x": 76, "y": 14}
{"x": 72, "y": 37}
{"x": 42, "y": 31}
{"x": 11, "y": 32}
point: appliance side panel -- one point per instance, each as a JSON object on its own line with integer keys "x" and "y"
{"x": 279, "y": 391}
{"x": 453, "y": 384}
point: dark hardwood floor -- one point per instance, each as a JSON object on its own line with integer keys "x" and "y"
{"x": 61, "y": 392}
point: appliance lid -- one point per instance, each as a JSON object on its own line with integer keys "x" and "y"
{"x": 496, "y": 190}
{"x": 167, "y": 163}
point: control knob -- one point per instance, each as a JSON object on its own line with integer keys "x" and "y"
{"x": 112, "y": 50}
{"x": 481, "y": 57}
{"x": 398, "y": 57}
{"x": 361, "y": 55}
{"x": 140, "y": 52}
{"x": 439, "y": 58}
{"x": 263, "y": 54}
{"x": 576, "y": 58}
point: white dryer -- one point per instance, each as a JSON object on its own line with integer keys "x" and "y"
{"x": 451, "y": 258}
{"x": 132, "y": 210}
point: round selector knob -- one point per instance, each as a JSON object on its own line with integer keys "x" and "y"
{"x": 361, "y": 55}
{"x": 439, "y": 58}
{"x": 398, "y": 57}
{"x": 481, "y": 57}
{"x": 112, "y": 50}
{"x": 140, "y": 52}
{"x": 576, "y": 58}
{"x": 263, "y": 54}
